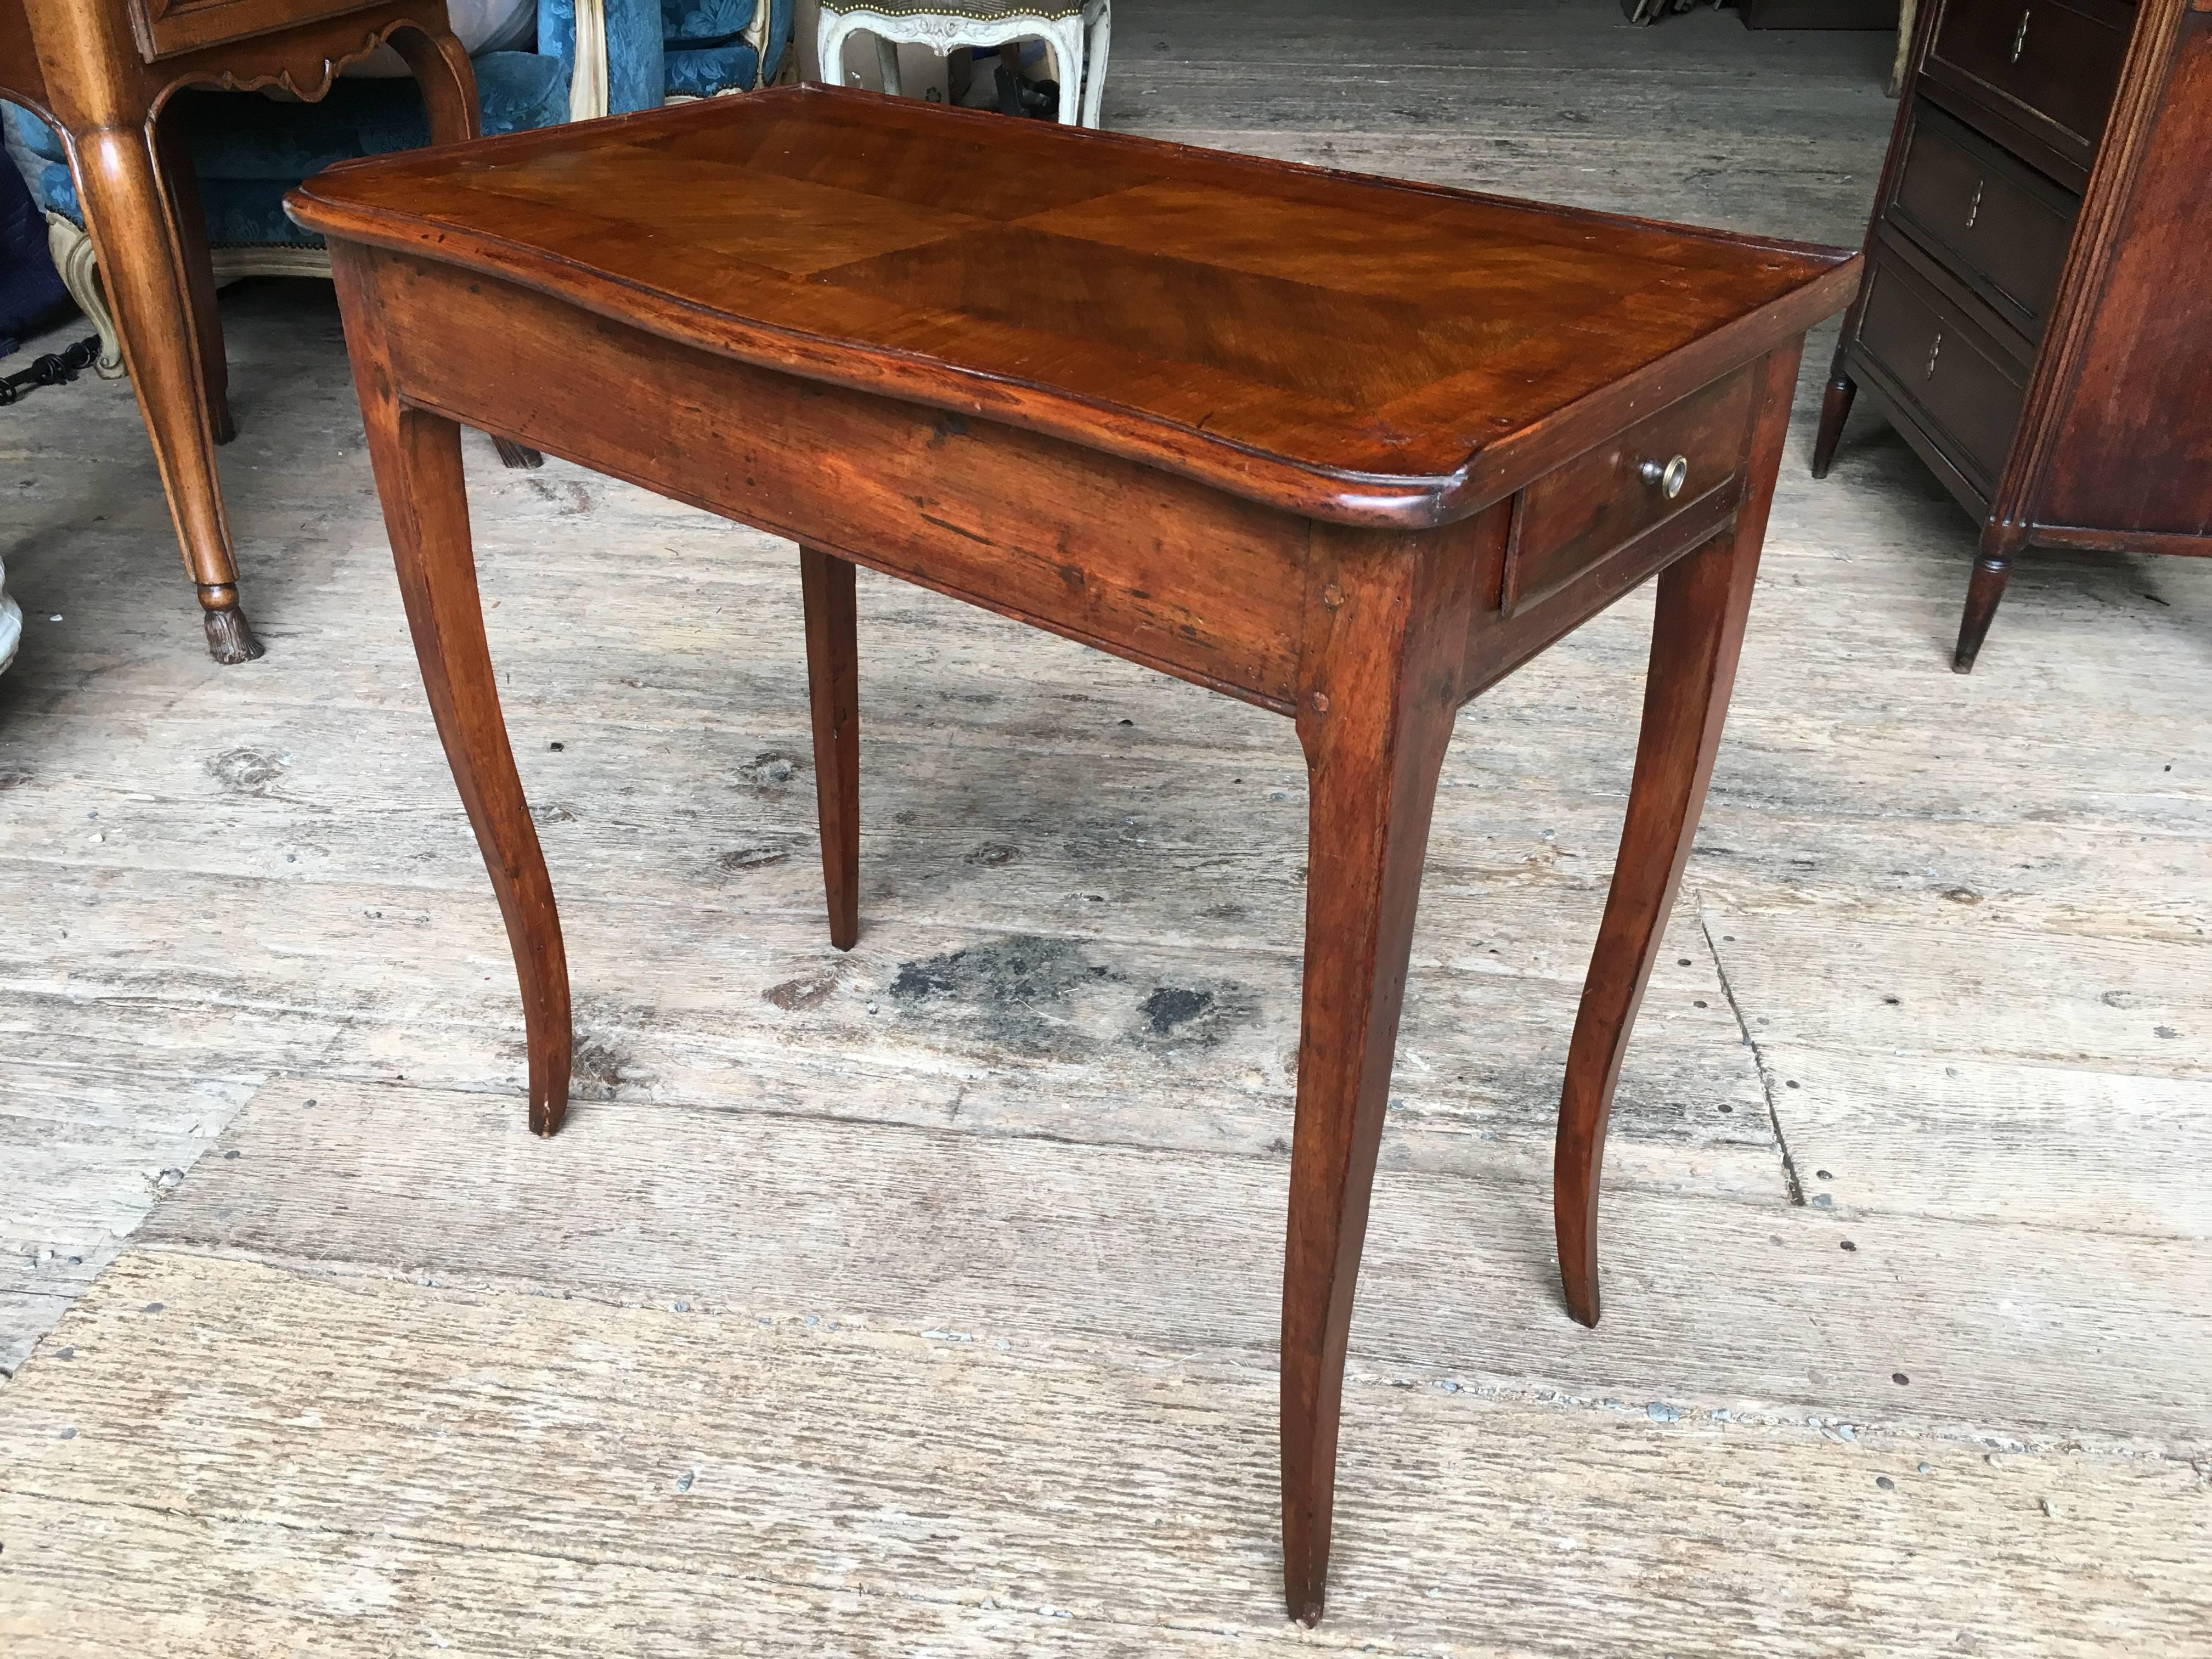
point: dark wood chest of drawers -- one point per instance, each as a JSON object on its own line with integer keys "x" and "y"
{"x": 2036, "y": 318}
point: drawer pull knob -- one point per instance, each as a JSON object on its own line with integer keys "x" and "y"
{"x": 1670, "y": 477}
{"x": 2020, "y": 35}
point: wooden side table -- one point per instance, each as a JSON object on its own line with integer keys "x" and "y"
{"x": 1347, "y": 449}
{"x": 100, "y": 71}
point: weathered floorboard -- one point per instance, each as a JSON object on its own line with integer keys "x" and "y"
{"x": 1797, "y": 1308}
{"x": 211, "y": 878}
{"x": 502, "y": 1473}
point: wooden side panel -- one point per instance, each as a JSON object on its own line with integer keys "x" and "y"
{"x": 1156, "y": 568}
{"x": 21, "y": 77}
{"x": 167, "y": 28}
{"x": 2131, "y": 450}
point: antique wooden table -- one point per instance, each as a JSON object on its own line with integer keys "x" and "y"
{"x": 1346, "y": 448}
{"x": 101, "y": 72}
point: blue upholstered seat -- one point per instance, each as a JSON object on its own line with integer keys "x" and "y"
{"x": 708, "y": 46}
{"x": 249, "y": 149}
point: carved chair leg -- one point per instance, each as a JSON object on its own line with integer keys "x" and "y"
{"x": 417, "y": 460}
{"x": 440, "y": 66}
{"x": 830, "y": 49}
{"x": 127, "y": 210}
{"x": 1378, "y": 694}
{"x": 1096, "y": 50}
{"x": 181, "y": 180}
{"x": 1068, "y": 52}
{"x": 69, "y": 246}
{"x": 833, "y": 683}
{"x": 1992, "y": 570}
{"x": 1695, "y": 637}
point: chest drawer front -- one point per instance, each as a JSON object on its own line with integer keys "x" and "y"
{"x": 1578, "y": 514}
{"x": 1945, "y": 364}
{"x": 2049, "y": 64}
{"x": 167, "y": 28}
{"x": 1998, "y": 224}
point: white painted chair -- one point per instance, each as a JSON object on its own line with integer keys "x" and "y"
{"x": 11, "y": 622}
{"x": 1079, "y": 32}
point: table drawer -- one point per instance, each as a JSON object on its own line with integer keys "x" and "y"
{"x": 1965, "y": 389}
{"x": 1577, "y": 515}
{"x": 2000, "y": 225}
{"x": 167, "y": 28}
{"x": 2051, "y": 65}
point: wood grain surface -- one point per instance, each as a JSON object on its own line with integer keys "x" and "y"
{"x": 1959, "y": 915}
{"x": 1366, "y": 349}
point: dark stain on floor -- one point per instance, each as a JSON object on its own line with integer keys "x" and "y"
{"x": 1194, "y": 1016}
{"x": 1169, "y": 1006}
{"x": 1045, "y": 997}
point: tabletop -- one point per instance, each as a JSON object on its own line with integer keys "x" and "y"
{"x": 1297, "y": 335}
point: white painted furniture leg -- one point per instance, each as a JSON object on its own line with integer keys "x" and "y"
{"x": 1068, "y": 52}
{"x": 830, "y": 47}
{"x": 73, "y": 257}
{"x": 587, "y": 88}
{"x": 1094, "y": 65}
{"x": 11, "y": 622}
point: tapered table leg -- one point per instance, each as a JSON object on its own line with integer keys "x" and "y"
{"x": 417, "y": 460}
{"x": 1377, "y": 695}
{"x": 127, "y": 210}
{"x": 833, "y": 682}
{"x": 1835, "y": 409}
{"x": 1992, "y": 570}
{"x": 1695, "y": 637}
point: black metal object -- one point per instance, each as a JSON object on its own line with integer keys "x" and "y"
{"x": 1018, "y": 96}
{"x": 55, "y": 368}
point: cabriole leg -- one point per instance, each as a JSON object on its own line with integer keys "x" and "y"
{"x": 1697, "y": 635}
{"x": 128, "y": 210}
{"x": 417, "y": 460}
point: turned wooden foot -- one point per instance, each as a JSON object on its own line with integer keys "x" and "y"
{"x": 1991, "y": 572}
{"x": 229, "y": 635}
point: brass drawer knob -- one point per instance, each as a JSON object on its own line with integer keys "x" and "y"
{"x": 1670, "y": 477}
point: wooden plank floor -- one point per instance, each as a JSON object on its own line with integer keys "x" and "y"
{"x": 921, "y": 1300}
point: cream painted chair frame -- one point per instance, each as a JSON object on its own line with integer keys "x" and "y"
{"x": 1080, "y": 42}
